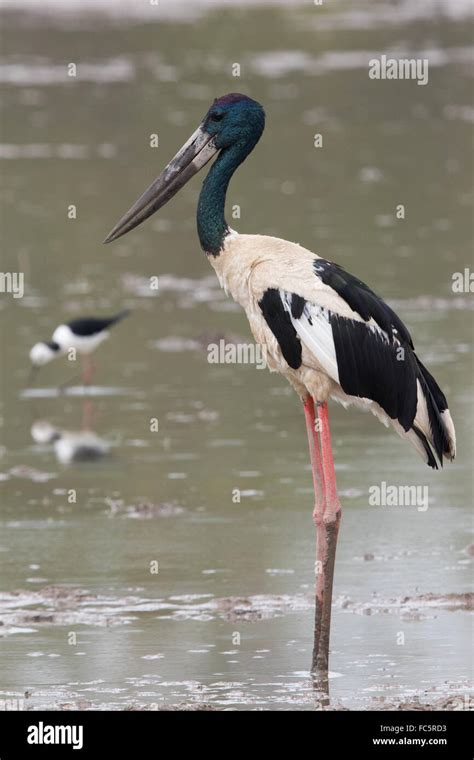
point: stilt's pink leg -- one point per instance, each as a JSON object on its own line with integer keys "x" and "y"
{"x": 326, "y": 544}
{"x": 88, "y": 370}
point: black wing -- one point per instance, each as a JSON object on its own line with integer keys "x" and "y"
{"x": 373, "y": 358}
{"x": 86, "y": 326}
{"x": 361, "y": 299}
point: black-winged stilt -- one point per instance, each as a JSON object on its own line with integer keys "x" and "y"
{"x": 79, "y": 336}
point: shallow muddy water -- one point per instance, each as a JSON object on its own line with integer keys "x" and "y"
{"x": 130, "y": 576}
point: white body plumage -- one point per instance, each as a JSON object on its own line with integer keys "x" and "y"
{"x": 249, "y": 265}
{"x": 83, "y": 344}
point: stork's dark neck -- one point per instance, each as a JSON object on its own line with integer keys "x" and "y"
{"x": 211, "y": 223}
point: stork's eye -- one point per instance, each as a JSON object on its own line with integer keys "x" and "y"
{"x": 216, "y": 116}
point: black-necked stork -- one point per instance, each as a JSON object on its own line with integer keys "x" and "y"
{"x": 328, "y": 333}
{"x": 81, "y": 336}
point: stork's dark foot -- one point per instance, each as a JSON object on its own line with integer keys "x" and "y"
{"x": 320, "y": 683}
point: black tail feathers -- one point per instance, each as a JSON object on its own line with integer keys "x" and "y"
{"x": 118, "y": 317}
{"x": 436, "y": 404}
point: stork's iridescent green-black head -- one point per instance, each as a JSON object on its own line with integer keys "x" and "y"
{"x": 232, "y": 127}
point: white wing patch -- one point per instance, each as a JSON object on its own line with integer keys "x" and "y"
{"x": 315, "y": 331}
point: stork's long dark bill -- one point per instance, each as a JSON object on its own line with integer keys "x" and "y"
{"x": 194, "y": 154}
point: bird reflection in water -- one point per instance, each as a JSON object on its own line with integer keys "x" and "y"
{"x": 83, "y": 445}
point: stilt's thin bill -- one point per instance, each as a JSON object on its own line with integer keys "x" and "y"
{"x": 194, "y": 154}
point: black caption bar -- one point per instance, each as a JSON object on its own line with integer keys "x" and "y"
{"x": 378, "y": 734}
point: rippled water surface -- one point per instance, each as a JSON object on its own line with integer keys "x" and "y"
{"x": 134, "y": 577}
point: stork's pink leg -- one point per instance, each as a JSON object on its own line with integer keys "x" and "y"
{"x": 318, "y": 517}
{"x": 316, "y": 460}
{"x": 328, "y": 529}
